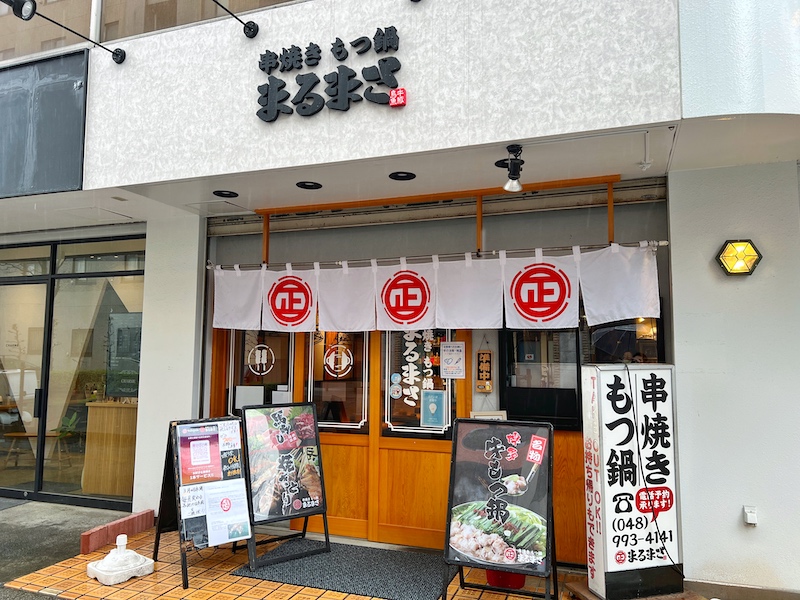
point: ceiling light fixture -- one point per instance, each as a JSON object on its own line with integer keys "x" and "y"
{"x": 250, "y": 28}
{"x": 26, "y": 10}
{"x": 402, "y": 175}
{"x": 738, "y": 257}
{"x": 308, "y": 185}
{"x": 225, "y": 194}
{"x": 514, "y": 166}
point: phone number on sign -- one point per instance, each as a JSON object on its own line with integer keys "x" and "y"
{"x": 631, "y": 539}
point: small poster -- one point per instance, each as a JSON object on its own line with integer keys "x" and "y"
{"x": 211, "y": 489}
{"x": 433, "y": 409}
{"x": 501, "y": 496}
{"x": 285, "y": 471}
{"x": 453, "y": 364}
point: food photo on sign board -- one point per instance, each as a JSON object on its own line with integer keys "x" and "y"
{"x": 500, "y": 496}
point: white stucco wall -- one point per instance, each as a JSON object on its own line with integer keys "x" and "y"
{"x": 736, "y": 357}
{"x": 169, "y": 378}
{"x": 740, "y": 57}
{"x": 184, "y": 102}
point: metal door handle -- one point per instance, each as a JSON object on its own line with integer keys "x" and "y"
{"x": 37, "y": 402}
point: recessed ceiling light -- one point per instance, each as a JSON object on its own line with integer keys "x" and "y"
{"x": 402, "y": 176}
{"x": 225, "y": 194}
{"x": 308, "y": 185}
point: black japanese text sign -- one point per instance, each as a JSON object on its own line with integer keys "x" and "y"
{"x": 501, "y": 496}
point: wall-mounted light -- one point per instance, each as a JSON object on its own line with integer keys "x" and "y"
{"x": 26, "y": 10}
{"x": 250, "y": 28}
{"x": 514, "y": 166}
{"x": 738, "y": 257}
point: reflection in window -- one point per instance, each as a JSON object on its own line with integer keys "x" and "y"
{"x": 101, "y": 257}
{"x": 417, "y": 399}
{"x": 540, "y": 376}
{"x": 24, "y": 262}
{"x": 261, "y": 369}
{"x": 631, "y": 341}
{"x": 338, "y": 379}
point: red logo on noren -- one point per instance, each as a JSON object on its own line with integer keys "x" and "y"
{"x": 406, "y": 297}
{"x": 541, "y": 292}
{"x": 290, "y": 300}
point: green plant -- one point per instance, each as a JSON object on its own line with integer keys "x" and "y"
{"x": 67, "y": 427}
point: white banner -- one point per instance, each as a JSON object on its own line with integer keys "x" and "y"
{"x": 619, "y": 283}
{"x": 405, "y": 297}
{"x": 290, "y": 301}
{"x": 469, "y": 294}
{"x": 237, "y": 299}
{"x": 346, "y": 299}
{"x": 541, "y": 295}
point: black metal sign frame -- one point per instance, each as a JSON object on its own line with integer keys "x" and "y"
{"x": 283, "y": 466}
{"x": 501, "y": 482}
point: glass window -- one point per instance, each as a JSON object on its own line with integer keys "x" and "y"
{"x": 417, "y": 399}
{"x": 124, "y": 18}
{"x": 24, "y": 262}
{"x": 636, "y": 340}
{"x": 540, "y": 381}
{"x": 101, "y": 257}
{"x": 261, "y": 369}
{"x": 21, "y": 38}
{"x": 337, "y": 379}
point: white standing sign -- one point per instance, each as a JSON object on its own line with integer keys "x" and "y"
{"x": 630, "y": 470}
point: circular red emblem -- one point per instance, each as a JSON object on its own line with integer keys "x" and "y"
{"x": 225, "y": 504}
{"x": 541, "y": 292}
{"x": 290, "y": 300}
{"x": 406, "y": 297}
{"x": 510, "y": 554}
{"x": 296, "y": 504}
{"x": 619, "y": 557}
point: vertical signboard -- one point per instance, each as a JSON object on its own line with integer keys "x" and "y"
{"x": 632, "y": 525}
{"x": 500, "y": 503}
{"x": 285, "y": 471}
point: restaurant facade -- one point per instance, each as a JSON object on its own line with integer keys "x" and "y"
{"x": 348, "y": 136}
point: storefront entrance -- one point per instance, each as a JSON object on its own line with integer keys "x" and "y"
{"x": 69, "y": 353}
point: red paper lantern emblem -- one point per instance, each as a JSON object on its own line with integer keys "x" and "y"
{"x": 290, "y": 300}
{"x": 406, "y": 297}
{"x": 541, "y": 292}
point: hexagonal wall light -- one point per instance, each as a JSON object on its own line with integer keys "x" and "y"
{"x": 738, "y": 257}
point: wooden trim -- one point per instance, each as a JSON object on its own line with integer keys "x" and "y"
{"x": 299, "y": 372}
{"x": 464, "y": 386}
{"x": 375, "y": 427}
{"x": 543, "y": 185}
{"x": 415, "y": 445}
{"x": 610, "y": 213}
{"x": 479, "y": 224}
{"x": 412, "y": 536}
{"x": 218, "y": 398}
{"x": 355, "y": 528}
{"x": 328, "y": 438}
{"x": 265, "y": 239}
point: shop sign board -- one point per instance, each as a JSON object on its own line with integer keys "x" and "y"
{"x": 283, "y": 462}
{"x": 483, "y": 381}
{"x": 500, "y": 500}
{"x": 341, "y": 85}
{"x": 632, "y": 524}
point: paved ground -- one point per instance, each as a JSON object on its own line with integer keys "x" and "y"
{"x": 34, "y": 535}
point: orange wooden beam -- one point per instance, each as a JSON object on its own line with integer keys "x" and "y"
{"x": 494, "y": 191}
{"x": 265, "y": 239}
{"x": 479, "y": 223}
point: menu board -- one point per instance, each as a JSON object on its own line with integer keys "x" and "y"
{"x": 284, "y": 467}
{"x": 211, "y": 489}
{"x": 501, "y": 496}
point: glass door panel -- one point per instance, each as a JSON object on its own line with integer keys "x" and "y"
{"x": 93, "y": 386}
{"x": 21, "y": 343}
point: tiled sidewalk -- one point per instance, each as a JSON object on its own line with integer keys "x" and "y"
{"x": 210, "y": 578}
